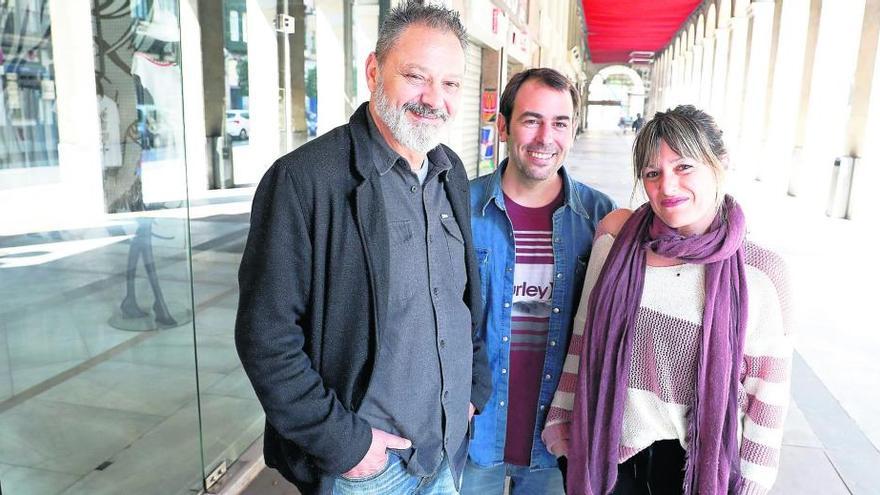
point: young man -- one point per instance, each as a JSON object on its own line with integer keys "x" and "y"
{"x": 533, "y": 230}
{"x": 359, "y": 295}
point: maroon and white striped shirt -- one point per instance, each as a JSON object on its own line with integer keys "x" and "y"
{"x": 661, "y": 378}
{"x": 529, "y": 322}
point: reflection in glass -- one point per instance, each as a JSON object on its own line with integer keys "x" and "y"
{"x": 97, "y": 361}
{"x": 28, "y": 127}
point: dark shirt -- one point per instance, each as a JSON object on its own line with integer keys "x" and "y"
{"x": 421, "y": 382}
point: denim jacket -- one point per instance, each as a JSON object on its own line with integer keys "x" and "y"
{"x": 574, "y": 225}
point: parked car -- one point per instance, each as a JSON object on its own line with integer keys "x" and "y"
{"x": 238, "y": 124}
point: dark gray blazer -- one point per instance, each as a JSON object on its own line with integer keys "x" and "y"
{"x": 314, "y": 292}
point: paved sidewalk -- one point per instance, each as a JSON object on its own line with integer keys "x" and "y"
{"x": 835, "y": 412}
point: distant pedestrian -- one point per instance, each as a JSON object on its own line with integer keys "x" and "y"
{"x": 677, "y": 377}
{"x": 638, "y": 123}
{"x": 622, "y": 124}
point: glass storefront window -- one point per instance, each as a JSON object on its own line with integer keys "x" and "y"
{"x": 98, "y": 383}
{"x": 118, "y": 260}
{"x": 28, "y": 128}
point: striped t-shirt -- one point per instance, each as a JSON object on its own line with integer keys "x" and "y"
{"x": 530, "y": 320}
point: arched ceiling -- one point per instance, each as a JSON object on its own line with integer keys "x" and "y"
{"x": 615, "y": 28}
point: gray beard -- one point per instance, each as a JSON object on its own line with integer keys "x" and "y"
{"x": 420, "y": 138}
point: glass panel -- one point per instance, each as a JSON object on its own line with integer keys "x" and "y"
{"x": 232, "y": 418}
{"x": 28, "y": 129}
{"x": 97, "y": 371}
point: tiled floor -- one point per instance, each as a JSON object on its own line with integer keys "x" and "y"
{"x": 86, "y": 408}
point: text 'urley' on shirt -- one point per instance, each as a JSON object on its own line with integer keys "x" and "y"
{"x": 529, "y": 321}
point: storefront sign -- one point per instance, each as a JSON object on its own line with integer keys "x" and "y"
{"x": 488, "y": 114}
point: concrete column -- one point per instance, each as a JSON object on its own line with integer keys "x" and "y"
{"x": 719, "y": 75}
{"x": 210, "y": 18}
{"x": 696, "y": 73}
{"x": 864, "y": 97}
{"x": 706, "y": 77}
{"x": 687, "y": 79}
{"x": 669, "y": 88}
{"x": 790, "y": 97}
{"x": 682, "y": 80}
{"x": 730, "y": 117}
{"x": 263, "y": 103}
{"x": 655, "y": 90}
{"x": 193, "y": 98}
{"x": 367, "y": 27}
{"x": 330, "y": 55}
{"x": 830, "y": 98}
{"x": 763, "y": 124}
{"x": 675, "y": 90}
{"x": 662, "y": 87}
{"x": 291, "y": 56}
{"x": 661, "y": 81}
{"x": 79, "y": 137}
{"x": 758, "y": 72}
{"x": 663, "y": 98}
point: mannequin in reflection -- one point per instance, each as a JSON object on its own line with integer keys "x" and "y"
{"x": 142, "y": 243}
{"x": 138, "y": 85}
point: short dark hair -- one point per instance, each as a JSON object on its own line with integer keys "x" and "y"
{"x": 548, "y": 77}
{"x": 412, "y": 12}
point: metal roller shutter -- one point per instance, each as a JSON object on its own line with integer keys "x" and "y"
{"x": 464, "y": 136}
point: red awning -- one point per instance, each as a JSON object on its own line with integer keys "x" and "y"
{"x": 617, "y": 27}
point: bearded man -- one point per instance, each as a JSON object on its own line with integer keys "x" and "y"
{"x": 359, "y": 291}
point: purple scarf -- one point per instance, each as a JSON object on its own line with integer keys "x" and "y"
{"x": 712, "y": 465}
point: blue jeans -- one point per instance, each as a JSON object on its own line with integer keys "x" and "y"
{"x": 480, "y": 480}
{"x": 394, "y": 479}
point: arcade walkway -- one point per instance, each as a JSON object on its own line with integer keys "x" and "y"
{"x": 833, "y": 429}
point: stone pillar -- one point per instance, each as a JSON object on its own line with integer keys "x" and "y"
{"x": 687, "y": 94}
{"x": 763, "y": 124}
{"x": 706, "y": 77}
{"x": 696, "y": 73}
{"x": 806, "y": 88}
{"x": 218, "y": 151}
{"x": 79, "y": 139}
{"x": 754, "y": 102}
{"x": 719, "y": 75}
{"x": 730, "y": 117}
{"x": 830, "y": 98}
{"x": 330, "y": 55}
{"x": 263, "y": 102}
{"x": 675, "y": 82}
{"x": 865, "y": 99}
{"x": 668, "y": 80}
{"x": 197, "y": 171}
{"x": 791, "y": 90}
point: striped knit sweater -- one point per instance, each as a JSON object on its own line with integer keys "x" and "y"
{"x": 662, "y": 373}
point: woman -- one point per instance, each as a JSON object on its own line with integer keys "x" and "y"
{"x": 677, "y": 375}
